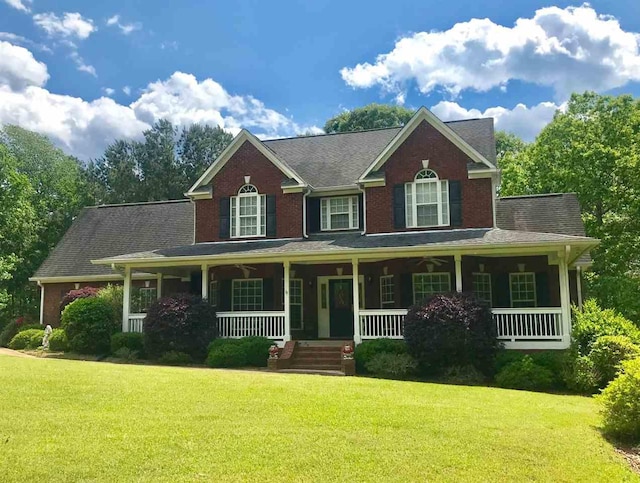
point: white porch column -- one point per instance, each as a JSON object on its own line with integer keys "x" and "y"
{"x": 159, "y": 285}
{"x": 565, "y": 299}
{"x": 205, "y": 281}
{"x": 579, "y": 285}
{"x": 287, "y": 300}
{"x": 357, "y": 338}
{"x": 458, "y": 261}
{"x": 126, "y": 299}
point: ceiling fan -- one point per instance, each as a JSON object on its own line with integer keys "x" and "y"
{"x": 246, "y": 269}
{"x": 432, "y": 261}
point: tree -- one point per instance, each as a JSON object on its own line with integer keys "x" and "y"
{"x": 373, "y": 116}
{"x": 198, "y": 147}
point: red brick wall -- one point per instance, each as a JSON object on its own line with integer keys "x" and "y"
{"x": 265, "y": 176}
{"x": 448, "y": 161}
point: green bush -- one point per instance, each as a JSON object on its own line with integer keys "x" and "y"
{"x": 27, "y": 339}
{"x": 12, "y": 328}
{"x": 113, "y": 294}
{"x": 58, "y": 341}
{"x": 621, "y": 401}
{"x": 556, "y": 361}
{"x": 466, "y": 375}
{"x": 525, "y": 374}
{"x": 592, "y": 322}
{"x": 256, "y": 350}
{"x": 392, "y": 366}
{"x": 607, "y": 354}
{"x": 89, "y": 324}
{"x": 370, "y": 348}
{"x": 232, "y": 354}
{"x": 175, "y": 358}
{"x": 126, "y": 354}
{"x": 133, "y": 341}
{"x": 580, "y": 375}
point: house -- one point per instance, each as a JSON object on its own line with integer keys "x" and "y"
{"x": 334, "y": 236}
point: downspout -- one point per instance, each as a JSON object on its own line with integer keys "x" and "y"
{"x": 306, "y": 193}
{"x": 364, "y": 209}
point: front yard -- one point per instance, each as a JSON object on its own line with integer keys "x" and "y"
{"x": 68, "y": 421}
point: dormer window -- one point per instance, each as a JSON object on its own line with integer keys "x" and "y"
{"x": 427, "y": 201}
{"x": 248, "y": 213}
{"x": 340, "y": 213}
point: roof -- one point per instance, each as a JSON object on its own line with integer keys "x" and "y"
{"x": 105, "y": 231}
{"x": 339, "y": 159}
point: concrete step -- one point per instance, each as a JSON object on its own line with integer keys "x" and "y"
{"x": 324, "y": 367}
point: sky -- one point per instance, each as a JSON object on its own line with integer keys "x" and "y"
{"x": 87, "y": 73}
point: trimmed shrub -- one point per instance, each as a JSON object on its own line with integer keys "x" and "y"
{"x": 126, "y": 354}
{"x": 392, "y": 366}
{"x": 256, "y": 350}
{"x": 607, "y": 354}
{"x": 113, "y": 294}
{"x": 133, "y": 341}
{"x": 525, "y": 374}
{"x": 13, "y": 327}
{"x": 175, "y": 358}
{"x": 227, "y": 355}
{"x": 621, "y": 401}
{"x": 448, "y": 330}
{"x": 182, "y": 323}
{"x": 80, "y": 293}
{"x": 27, "y": 339}
{"x": 556, "y": 361}
{"x": 465, "y": 375}
{"x": 592, "y": 322}
{"x": 370, "y": 348}
{"x": 58, "y": 341}
{"x": 89, "y": 324}
{"x": 580, "y": 375}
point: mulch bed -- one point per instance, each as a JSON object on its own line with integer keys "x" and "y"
{"x": 632, "y": 455}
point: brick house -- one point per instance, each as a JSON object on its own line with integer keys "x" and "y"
{"x": 334, "y": 236}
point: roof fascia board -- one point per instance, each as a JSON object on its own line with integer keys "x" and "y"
{"x": 92, "y": 278}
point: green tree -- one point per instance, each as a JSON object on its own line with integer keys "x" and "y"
{"x": 373, "y": 116}
{"x": 199, "y": 146}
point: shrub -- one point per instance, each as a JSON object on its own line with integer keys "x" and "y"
{"x": 393, "y": 366}
{"x": 182, "y": 323}
{"x": 368, "y": 349}
{"x": 126, "y": 354}
{"x": 13, "y": 327}
{"x": 451, "y": 330}
{"x": 580, "y": 375}
{"x": 228, "y": 355}
{"x": 129, "y": 340}
{"x": 467, "y": 375}
{"x": 556, "y": 361}
{"x": 175, "y": 358}
{"x": 607, "y": 354}
{"x": 58, "y": 341}
{"x": 621, "y": 401}
{"x": 113, "y": 294}
{"x": 89, "y": 325}
{"x": 80, "y": 293}
{"x": 525, "y": 374}
{"x": 27, "y": 339}
{"x": 256, "y": 350}
{"x": 592, "y": 322}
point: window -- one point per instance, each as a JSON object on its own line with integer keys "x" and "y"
{"x": 427, "y": 201}
{"x": 142, "y": 298}
{"x": 425, "y": 284}
{"x": 523, "y": 289}
{"x": 482, "y": 286}
{"x": 295, "y": 303}
{"x": 387, "y": 291}
{"x": 247, "y": 295}
{"x": 339, "y": 213}
{"x": 248, "y": 213}
{"x": 213, "y": 293}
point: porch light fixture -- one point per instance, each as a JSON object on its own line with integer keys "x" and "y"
{"x": 339, "y": 271}
{"x": 247, "y": 179}
{"x": 425, "y": 163}
{"x": 521, "y": 267}
{"x": 385, "y": 270}
{"x": 430, "y": 267}
{"x": 212, "y": 275}
{"x": 481, "y": 267}
{"x": 77, "y": 286}
{"x": 292, "y": 273}
{"x": 147, "y": 283}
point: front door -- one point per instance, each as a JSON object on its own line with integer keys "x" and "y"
{"x": 341, "y": 308}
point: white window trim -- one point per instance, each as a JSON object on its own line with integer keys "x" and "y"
{"x": 235, "y": 281}
{"x": 393, "y": 301}
{"x": 142, "y": 290}
{"x": 484, "y": 275}
{"x": 354, "y": 209}
{"x": 413, "y": 282}
{"x": 301, "y": 304}
{"x": 213, "y": 292}
{"x": 235, "y": 223}
{"x": 535, "y": 289}
{"x": 413, "y": 209}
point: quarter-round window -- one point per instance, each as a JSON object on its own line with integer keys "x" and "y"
{"x": 426, "y": 174}
{"x": 247, "y": 188}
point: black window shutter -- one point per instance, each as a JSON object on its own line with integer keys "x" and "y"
{"x": 225, "y": 217}
{"x": 224, "y": 302}
{"x": 268, "y": 296}
{"x": 399, "y": 220}
{"x": 542, "y": 289}
{"x": 501, "y": 290}
{"x": 271, "y": 215}
{"x": 195, "y": 284}
{"x": 406, "y": 285}
{"x": 455, "y": 202}
{"x": 361, "y": 212}
{"x": 313, "y": 215}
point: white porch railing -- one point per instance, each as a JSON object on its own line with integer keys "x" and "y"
{"x": 379, "y": 323}
{"x": 243, "y": 324}
{"x": 525, "y": 324}
{"x": 136, "y": 321}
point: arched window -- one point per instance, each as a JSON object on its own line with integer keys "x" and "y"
{"x": 248, "y": 213}
{"x": 427, "y": 200}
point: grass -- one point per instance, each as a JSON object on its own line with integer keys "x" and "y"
{"x": 88, "y": 421}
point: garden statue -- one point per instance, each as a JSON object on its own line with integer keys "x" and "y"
{"x": 45, "y": 339}
{"x": 273, "y": 352}
{"x": 347, "y": 352}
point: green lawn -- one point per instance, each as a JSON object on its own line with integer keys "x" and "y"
{"x": 70, "y": 420}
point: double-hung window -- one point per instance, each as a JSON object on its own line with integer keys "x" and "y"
{"x": 295, "y": 303}
{"x": 387, "y": 291}
{"x": 425, "y": 284}
{"x": 427, "y": 201}
{"x": 523, "y": 289}
{"x": 248, "y": 213}
{"x": 482, "y": 286}
{"x": 142, "y": 298}
{"x": 246, "y": 295}
{"x": 339, "y": 213}
{"x": 213, "y": 293}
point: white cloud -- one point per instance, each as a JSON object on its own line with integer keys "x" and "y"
{"x": 524, "y": 121}
{"x": 126, "y": 90}
{"x": 571, "y": 49}
{"x": 20, "y": 40}
{"x": 125, "y": 28}
{"x": 19, "y": 5}
{"x": 68, "y": 26}
{"x": 108, "y": 91}
{"x": 81, "y": 65}
{"x": 85, "y": 128}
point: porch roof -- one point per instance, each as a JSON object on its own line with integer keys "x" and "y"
{"x": 351, "y": 244}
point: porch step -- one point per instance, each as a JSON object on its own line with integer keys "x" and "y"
{"x": 319, "y": 356}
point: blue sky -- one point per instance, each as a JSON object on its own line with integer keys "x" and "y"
{"x": 86, "y": 73}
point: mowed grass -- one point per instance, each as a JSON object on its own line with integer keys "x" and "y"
{"x": 86, "y": 421}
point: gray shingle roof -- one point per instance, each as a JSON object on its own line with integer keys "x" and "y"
{"x": 105, "y": 231}
{"x": 339, "y": 159}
